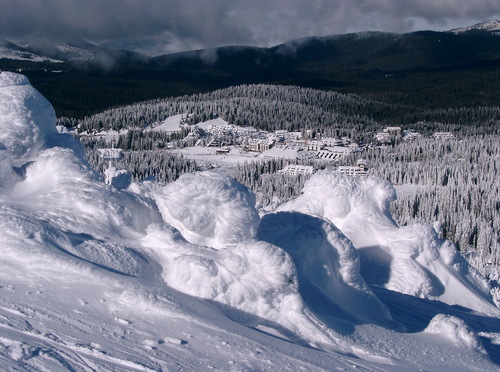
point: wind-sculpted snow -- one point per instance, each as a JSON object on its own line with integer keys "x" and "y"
{"x": 327, "y": 265}
{"x": 409, "y": 259}
{"x": 209, "y": 209}
{"x": 457, "y": 330}
{"x": 60, "y": 187}
{"x": 186, "y": 276}
{"x": 255, "y": 281}
{"x": 26, "y": 118}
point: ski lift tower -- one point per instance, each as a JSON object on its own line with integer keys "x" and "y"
{"x": 110, "y": 155}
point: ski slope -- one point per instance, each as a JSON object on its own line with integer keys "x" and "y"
{"x": 188, "y": 277}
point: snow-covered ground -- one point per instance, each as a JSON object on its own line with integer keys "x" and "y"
{"x": 171, "y": 124}
{"x": 9, "y": 50}
{"x": 188, "y": 277}
{"x": 491, "y": 25}
{"x": 402, "y": 191}
{"x": 207, "y": 157}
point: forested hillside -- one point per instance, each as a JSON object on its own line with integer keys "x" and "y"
{"x": 271, "y": 107}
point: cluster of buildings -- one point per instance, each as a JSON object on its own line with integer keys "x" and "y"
{"x": 282, "y": 144}
{"x": 390, "y": 134}
{"x": 443, "y": 135}
{"x": 295, "y": 170}
{"x": 359, "y": 170}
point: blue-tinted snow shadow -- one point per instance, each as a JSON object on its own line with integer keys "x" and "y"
{"x": 375, "y": 268}
{"x": 375, "y": 265}
{"x": 261, "y": 325}
{"x": 308, "y": 241}
{"x": 416, "y": 313}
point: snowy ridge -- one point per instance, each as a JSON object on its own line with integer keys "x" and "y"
{"x": 492, "y": 26}
{"x": 9, "y": 50}
{"x": 187, "y": 276}
{"x": 43, "y": 50}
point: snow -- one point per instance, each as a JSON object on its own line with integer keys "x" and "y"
{"x": 26, "y": 118}
{"x": 209, "y": 209}
{"x": 491, "y": 26}
{"x": 456, "y": 329}
{"x": 171, "y": 124}
{"x": 187, "y": 276}
{"x": 410, "y": 259}
{"x": 328, "y": 265}
{"x": 119, "y": 178}
{"x": 9, "y": 50}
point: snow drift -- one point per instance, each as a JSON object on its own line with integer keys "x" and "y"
{"x": 328, "y": 268}
{"x": 209, "y": 209}
{"x": 408, "y": 259}
{"x": 95, "y": 277}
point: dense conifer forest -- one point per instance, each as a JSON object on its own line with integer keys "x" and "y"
{"x": 270, "y": 107}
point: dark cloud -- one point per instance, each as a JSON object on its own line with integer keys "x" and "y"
{"x": 160, "y": 26}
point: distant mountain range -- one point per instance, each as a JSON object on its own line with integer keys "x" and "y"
{"x": 425, "y": 69}
{"x": 491, "y": 28}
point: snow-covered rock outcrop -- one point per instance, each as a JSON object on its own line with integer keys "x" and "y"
{"x": 51, "y": 198}
{"x": 215, "y": 255}
{"x": 328, "y": 268}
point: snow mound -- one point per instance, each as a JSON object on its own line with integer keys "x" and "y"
{"x": 119, "y": 178}
{"x": 209, "y": 209}
{"x": 27, "y": 119}
{"x": 60, "y": 187}
{"x": 254, "y": 282}
{"x": 328, "y": 267}
{"x": 9, "y": 78}
{"x": 456, "y": 330}
{"x": 410, "y": 259}
{"x": 213, "y": 254}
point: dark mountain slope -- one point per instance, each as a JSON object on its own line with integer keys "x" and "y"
{"x": 420, "y": 69}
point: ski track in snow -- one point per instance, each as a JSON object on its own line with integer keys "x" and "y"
{"x": 189, "y": 277}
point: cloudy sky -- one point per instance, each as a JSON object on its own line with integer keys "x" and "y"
{"x": 165, "y": 26}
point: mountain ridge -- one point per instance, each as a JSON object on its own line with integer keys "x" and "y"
{"x": 490, "y": 26}
{"x": 424, "y": 69}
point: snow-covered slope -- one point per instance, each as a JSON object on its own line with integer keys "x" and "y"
{"x": 492, "y": 26}
{"x": 57, "y": 52}
{"x": 188, "y": 277}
